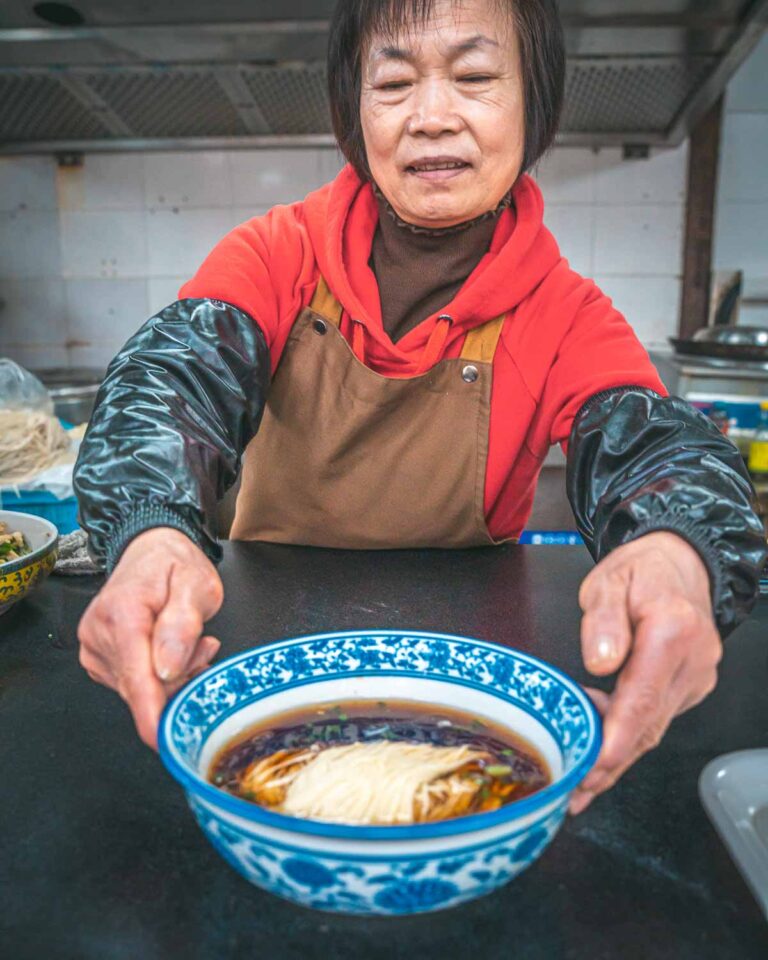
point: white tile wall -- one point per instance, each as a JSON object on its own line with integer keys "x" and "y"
{"x": 179, "y": 240}
{"x": 104, "y": 243}
{"x": 163, "y": 290}
{"x": 27, "y": 183}
{"x": 741, "y": 233}
{"x": 277, "y": 176}
{"x": 29, "y": 244}
{"x": 188, "y": 180}
{"x": 641, "y": 240}
{"x": 651, "y": 304}
{"x": 744, "y": 163}
{"x": 748, "y": 90}
{"x": 567, "y": 176}
{"x": 621, "y": 222}
{"x": 103, "y": 182}
{"x": 660, "y": 179}
{"x": 30, "y": 308}
{"x": 574, "y": 228}
{"x": 116, "y": 237}
{"x": 104, "y": 311}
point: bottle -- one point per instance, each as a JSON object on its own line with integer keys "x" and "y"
{"x": 758, "y": 448}
{"x": 719, "y": 416}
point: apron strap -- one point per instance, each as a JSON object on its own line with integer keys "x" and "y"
{"x": 481, "y": 342}
{"x": 325, "y": 304}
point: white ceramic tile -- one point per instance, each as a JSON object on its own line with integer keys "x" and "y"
{"x": 639, "y": 240}
{"x": 744, "y": 158}
{"x": 330, "y": 161}
{"x": 27, "y": 183}
{"x": 191, "y": 179}
{"x": 96, "y": 355}
{"x": 267, "y": 177}
{"x": 567, "y": 175}
{"x": 650, "y": 304}
{"x": 105, "y": 310}
{"x": 104, "y": 181}
{"x": 163, "y": 291}
{"x": 38, "y": 358}
{"x": 29, "y": 244}
{"x": 103, "y": 244}
{"x": 573, "y": 228}
{"x": 756, "y": 316}
{"x": 662, "y": 178}
{"x": 33, "y": 312}
{"x": 243, "y": 213}
{"x": 748, "y": 90}
{"x": 756, "y": 285}
{"x": 741, "y": 238}
{"x": 178, "y": 242}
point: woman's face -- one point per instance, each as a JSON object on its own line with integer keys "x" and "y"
{"x": 443, "y": 114}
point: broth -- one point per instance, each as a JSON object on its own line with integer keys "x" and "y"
{"x": 510, "y": 767}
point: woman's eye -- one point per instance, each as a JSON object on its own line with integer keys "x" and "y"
{"x": 476, "y": 78}
{"x": 394, "y": 85}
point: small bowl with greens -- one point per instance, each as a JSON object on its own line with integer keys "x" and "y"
{"x": 28, "y": 551}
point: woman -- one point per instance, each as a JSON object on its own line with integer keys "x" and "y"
{"x": 414, "y": 343}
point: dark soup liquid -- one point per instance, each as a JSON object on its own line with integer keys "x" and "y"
{"x": 504, "y": 768}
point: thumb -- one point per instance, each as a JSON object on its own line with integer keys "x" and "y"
{"x": 177, "y": 629}
{"x": 606, "y": 631}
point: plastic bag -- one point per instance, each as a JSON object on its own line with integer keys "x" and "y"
{"x": 21, "y": 390}
{"x": 36, "y": 454}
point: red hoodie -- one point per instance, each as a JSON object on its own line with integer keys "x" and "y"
{"x": 562, "y": 343}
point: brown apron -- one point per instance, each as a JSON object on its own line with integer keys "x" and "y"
{"x": 348, "y": 458}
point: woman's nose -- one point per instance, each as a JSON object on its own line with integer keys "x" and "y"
{"x": 434, "y": 110}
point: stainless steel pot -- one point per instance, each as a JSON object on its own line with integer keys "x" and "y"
{"x": 73, "y": 391}
{"x": 726, "y": 342}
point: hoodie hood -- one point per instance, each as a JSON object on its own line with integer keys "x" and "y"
{"x": 342, "y": 218}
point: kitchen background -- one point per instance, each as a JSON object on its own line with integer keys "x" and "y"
{"x": 88, "y": 252}
{"x": 93, "y": 240}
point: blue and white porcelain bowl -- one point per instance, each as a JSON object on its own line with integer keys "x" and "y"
{"x": 380, "y": 870}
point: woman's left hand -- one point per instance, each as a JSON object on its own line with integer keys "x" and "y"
{"x": 647, "y": 612}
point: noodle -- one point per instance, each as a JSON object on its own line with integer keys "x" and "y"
{"x": 30, "y": 442}
{"x": 379, "y": 782}
{"x": 378, "y": 762}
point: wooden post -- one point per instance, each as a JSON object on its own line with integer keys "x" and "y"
{"x": 703, "y": 163}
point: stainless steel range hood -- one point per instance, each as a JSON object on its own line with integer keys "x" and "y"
{"x": 166, "y": 74}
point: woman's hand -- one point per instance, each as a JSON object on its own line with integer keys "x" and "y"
{"x": 648, "y": 612}
{"x": 142, "y": 634}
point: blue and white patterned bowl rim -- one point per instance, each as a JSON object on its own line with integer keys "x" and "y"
{"x": 192, "y": 781}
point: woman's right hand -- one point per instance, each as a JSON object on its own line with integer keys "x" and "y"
{"x": 142, "y": 635}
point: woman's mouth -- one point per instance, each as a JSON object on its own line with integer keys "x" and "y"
{"x": 437, "y": 168}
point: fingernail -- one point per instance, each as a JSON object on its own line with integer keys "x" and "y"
{"x": 606, "y": 649}
{"x": 164, "y": 673}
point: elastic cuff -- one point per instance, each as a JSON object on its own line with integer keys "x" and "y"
{"x": 148, "y": 516}
{"x": 696, "y": 537}
{"x": 612, "y": 392}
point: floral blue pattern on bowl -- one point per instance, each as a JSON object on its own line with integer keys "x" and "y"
{"x": 380, "y": 870}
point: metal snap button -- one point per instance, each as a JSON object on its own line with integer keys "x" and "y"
{"x": 446, "y": 316}
{"x": 470, "y": 373}
{"x": 320, "y": 326}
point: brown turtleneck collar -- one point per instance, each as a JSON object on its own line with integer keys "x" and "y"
{"x": 420, "y": 270}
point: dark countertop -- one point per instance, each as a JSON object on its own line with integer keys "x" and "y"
{"x": 100, "y": 858}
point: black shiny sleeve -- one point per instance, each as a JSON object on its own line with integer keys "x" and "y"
{"x": 179, "y": 404}
{"x": 639, "y": 463}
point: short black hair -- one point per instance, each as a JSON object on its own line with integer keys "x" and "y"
{"x": 542, "y": 54}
